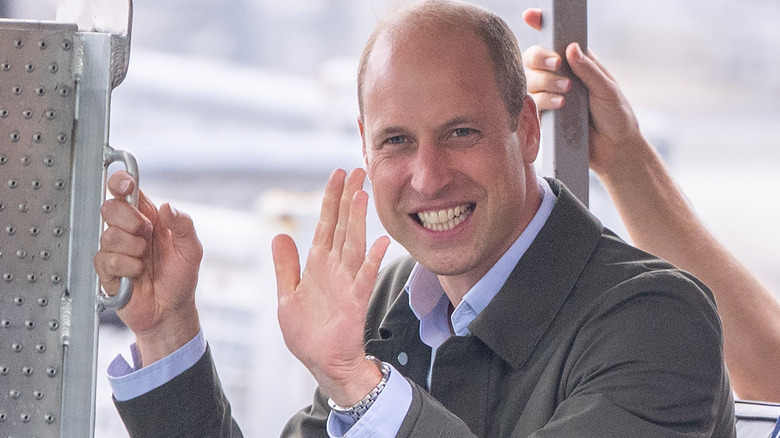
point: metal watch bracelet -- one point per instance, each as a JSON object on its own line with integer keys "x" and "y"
{"x": 360, "y": 408}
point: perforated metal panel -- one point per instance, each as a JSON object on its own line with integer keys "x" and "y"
{"x": 37, "y": 103}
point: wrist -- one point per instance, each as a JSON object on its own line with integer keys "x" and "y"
{"x": 169, "y": 336}
{"x": 349, "y": 391}
{"x": 358, "y": 409}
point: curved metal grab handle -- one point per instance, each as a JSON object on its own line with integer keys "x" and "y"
{"x": 125, "y": 292}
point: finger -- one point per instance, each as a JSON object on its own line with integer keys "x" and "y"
{"x": 533, "y": 18}
{"x": 594, "y": 77}
{"x": 548, "y": 101}
{"x": 121, "y": 184}
{"x": 353, "y": 184}
{"x": 541, "y": 58}
{"x": 543, "y": 81}
{"x": 354, "y": 252}
{"x": 329, "y": 212}
{"x": 287, "y": 265}
{"x": 111, "y": 266}
{"x": 118, "y": 213}
{"x": 182, "y": 232}
{"x": 116, "y": 240}
{"x": 366, "y": 277}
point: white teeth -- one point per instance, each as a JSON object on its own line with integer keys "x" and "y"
{"x": 444, "y": 220}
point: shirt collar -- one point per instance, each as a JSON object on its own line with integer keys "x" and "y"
{"x": 430, "y": 304}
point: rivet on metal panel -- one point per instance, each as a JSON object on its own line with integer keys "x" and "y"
{"x": 25, "y": 418}
{"x": 66, "y": 45}
{"x": 57, "y": 232}
{"x": 51, "y": 371}
{"x": 6, "y": 66}
{"x": 18, "y": 43}
{"x": 2, "y": 207}
{"x": 40, "y": 91}
{"x": 43, "y": 301}
{"x": 2, "y": 417}
{"x": 34, "y": 231}
{"x": 27, "y": 371}
{"x": 22, "y": 254}
{"x": 29, "y": 324}
{"x": 50, "y": 114}
{"x": 32, "y": 278}
{"x": 59, "y": 184}
{"x": 38, "y": 394}
{"x": 29, "y": 68}
{"x": 23, "y": 208}
{"x": 55, "y": 279}
{"x": 10, "y": 230}
{"x": 36, "y": 185}
{"x": 48, "y": 161}
{"x": 49, "y": 418}
{"x": 18, "y": 301}
{"x": 27, "y": 114}
{"x": 12, "y": 183}
{"x": 43, "y": 44}
{"x": 45, "y": 255}
{"x": 5, "y": 324}
{"x": 17, "y": 90}
{"x": 3, "y": 159}
{"x": 16, "y": 347}
{"x": 64, "y": 90}
{"x": 62, "y": 137}
{"x": 25, "y": 160}
{"x": 38, "y": 137}
{"x": 40, "y": 348}
{"x": 53, "y": 324}
{"x": 15, "y": 136}
{"x": 4, "y": 370}
{"x": 14, "y": 394}
{"x": 8, "y": 277}
{"x": 47, "y": 208}
{"x": 53, "y": 67}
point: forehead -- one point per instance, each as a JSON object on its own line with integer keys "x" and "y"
{"x": 427, "y": 63}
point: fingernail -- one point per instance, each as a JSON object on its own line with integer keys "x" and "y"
{"x": 124, "y": 185}
{"x": 551, "y": 62}
{"x": 174, "y": 212}
{"x": 578, "y": 51}
{"x": 562, "y": 84}
{"x": 557, "y": 101}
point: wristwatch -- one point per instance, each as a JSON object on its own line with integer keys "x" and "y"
{"x": 358, "y": 409}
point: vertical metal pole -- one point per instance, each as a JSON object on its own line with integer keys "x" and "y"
{"x": 565, "y": 131}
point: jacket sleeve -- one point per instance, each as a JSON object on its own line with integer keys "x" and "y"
{"x": 190, "y": 405}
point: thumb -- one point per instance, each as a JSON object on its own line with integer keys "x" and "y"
{"x": 286, "y": 264}
{"x": 182, "y": 233}
{"x": 533, "y": 18}
{"x": 593, "y": 75}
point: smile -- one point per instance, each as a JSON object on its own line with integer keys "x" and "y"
{"x": 444, "y": 220}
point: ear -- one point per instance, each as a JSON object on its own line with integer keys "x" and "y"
{"x": 363, "y": 140}
{"x": 529, "y": 129}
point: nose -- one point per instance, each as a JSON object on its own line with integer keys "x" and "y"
{"x": 430, "y": 169}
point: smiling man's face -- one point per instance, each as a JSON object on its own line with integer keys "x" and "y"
{"x": 451, "y": 171}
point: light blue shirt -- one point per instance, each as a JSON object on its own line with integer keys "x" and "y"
{"x": 428, "y": 302}
{"x": 776, "y": 432}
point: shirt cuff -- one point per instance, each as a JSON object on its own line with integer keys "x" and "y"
{"x": 129, "y": 382}
{"x": 383, "y": 419}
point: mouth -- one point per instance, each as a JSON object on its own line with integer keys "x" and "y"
{"x": 446, "y": 219}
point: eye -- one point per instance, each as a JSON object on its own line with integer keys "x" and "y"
{"x": 462, "y": 132}
{"x": 396, "y": 139}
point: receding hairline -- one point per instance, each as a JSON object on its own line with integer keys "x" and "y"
{"x": 434, "y": 15}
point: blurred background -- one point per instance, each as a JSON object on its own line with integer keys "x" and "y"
{"x": 238, "y": 110}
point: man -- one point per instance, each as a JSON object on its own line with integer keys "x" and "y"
{"x": 516, "y": 315}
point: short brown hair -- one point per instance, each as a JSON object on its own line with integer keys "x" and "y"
{"x": 501, "y": 43}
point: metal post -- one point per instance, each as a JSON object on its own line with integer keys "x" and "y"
{"x": 565, "y": 131}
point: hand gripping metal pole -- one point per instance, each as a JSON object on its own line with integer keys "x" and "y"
{"x": 565, "y": 131}
{"x": 125, "y": 292}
